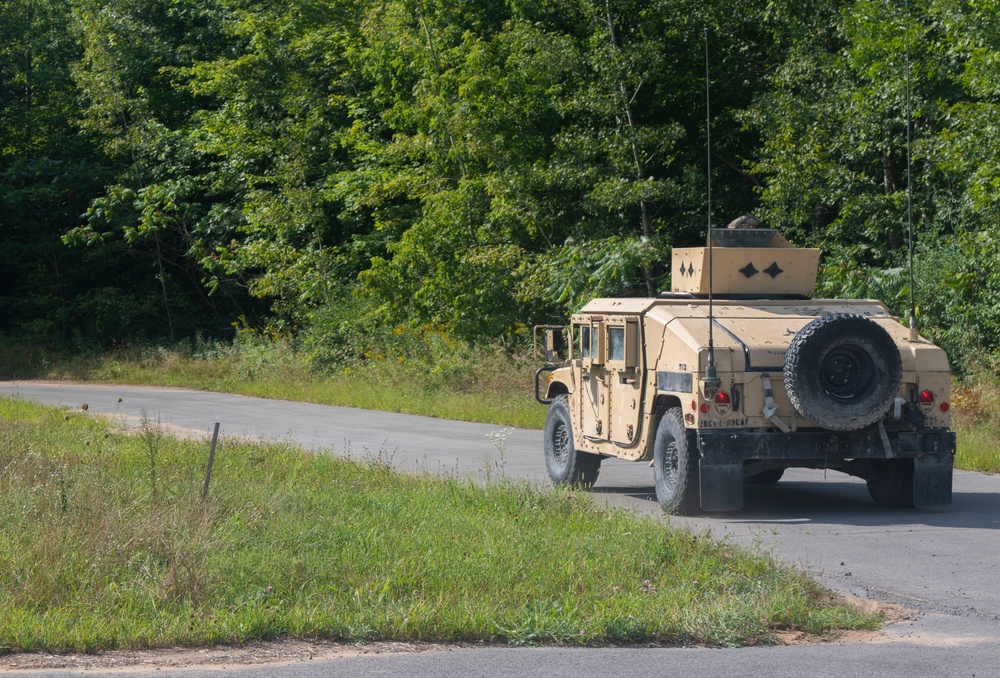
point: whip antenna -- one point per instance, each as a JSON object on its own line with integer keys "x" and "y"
{"x": 711, "y": 381}
{"x": 909, "y": 180}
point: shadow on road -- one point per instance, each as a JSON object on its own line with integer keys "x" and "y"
{"x": 834, "y": 503}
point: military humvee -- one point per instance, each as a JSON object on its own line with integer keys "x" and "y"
{"x": 717, "y": 392}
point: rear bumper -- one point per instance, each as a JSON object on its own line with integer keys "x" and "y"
{"x": 726, "y": 447}
{"x": 859, "y": 453}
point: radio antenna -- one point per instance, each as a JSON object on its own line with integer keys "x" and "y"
{"x": 909, "y": 179}
{"x": 710, "y": 383}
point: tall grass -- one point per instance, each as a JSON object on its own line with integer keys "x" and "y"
{"x": 976, "y": 419}
{"x": 440, "y": 377}
{"x": 103, "y": 548}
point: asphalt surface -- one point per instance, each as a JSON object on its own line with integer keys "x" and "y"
{"x": 942, "y": 563}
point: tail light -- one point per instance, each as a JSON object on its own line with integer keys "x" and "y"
{"x": 926, "y": 399}
{"x": 723, "y": 403}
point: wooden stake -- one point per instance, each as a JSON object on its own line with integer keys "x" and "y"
{"x": 211, "y": 460}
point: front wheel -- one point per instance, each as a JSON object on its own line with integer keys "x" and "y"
{"x": 566, "y": 465}
{"x": 675, "y": 465}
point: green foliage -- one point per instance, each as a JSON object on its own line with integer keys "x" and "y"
{"x": 417, "y": 370}
{"x": 47, "y": 173}
{"x": 532, "y": 134}
{"x": 327, "y": 167}
{"x": 606, "y": 268}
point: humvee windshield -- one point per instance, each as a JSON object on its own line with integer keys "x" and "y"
{"x": 588, "y": 341}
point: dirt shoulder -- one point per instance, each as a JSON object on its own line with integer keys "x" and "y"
{"x": 297, "y": 651}
{"x": 220, "y": 656}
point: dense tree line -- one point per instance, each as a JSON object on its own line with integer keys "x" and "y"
{"x": 335, "y": 166}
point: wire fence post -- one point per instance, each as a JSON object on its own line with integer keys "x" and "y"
{"x": 211, "y": 460}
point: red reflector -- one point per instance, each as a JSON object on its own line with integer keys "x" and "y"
{"x": 945, "y": 407}
{"x": 704, "y": 408}
{"x": 925, "y": 397}
{"x": 723, "y": 398}
{"x": 694, "y": 405}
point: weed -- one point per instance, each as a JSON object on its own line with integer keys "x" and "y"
{"x": 381, "y": 459}
{"x": 497, "y": 468}
{"x": 152, "y": 435}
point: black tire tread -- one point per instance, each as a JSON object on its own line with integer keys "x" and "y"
{"x": 685, "y": 497}
{"x": 828, "y": 413}
{"x": 581, "y": 468}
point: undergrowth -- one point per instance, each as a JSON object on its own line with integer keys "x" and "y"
{"x": 976, "y": 419}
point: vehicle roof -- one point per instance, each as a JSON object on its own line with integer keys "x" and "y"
{"x": 759, "y": 308}
{"x": 759, "y": 329}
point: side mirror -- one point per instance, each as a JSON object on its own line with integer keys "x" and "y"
{"x": 555, "y": 348}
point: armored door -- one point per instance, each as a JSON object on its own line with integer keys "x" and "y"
{"x": 624, "y": 380}
{"x": 593, "y": 402}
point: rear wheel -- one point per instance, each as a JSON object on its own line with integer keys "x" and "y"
{"x": 565, "y": 464}
{"x": 675, "y": 465}
{"x": 893, "y": 485}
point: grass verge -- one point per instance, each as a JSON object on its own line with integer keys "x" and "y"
{"x": 483, "y": 384}
{"x": 976, "y": 419}
{"x": 108, "y": 544}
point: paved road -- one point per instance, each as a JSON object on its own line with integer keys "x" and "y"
{"x": 941, "y": 563}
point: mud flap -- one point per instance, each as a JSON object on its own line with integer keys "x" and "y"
{"x": 721, "y": 486}
{"x": 932, "y": 476}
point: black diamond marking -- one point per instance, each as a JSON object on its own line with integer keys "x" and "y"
{"x": 690, "y": 268}
{"x": 773, "y": 270}
{"x": 749, "y": 270}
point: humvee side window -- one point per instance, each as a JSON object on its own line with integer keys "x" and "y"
{"x": 595, "y": 344}
{"x": 631, "y": 344}
{"x": 585, "y": 342}
{"x": 616, "y": 343}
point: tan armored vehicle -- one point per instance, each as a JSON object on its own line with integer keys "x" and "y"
{"x": 734, "y": 389}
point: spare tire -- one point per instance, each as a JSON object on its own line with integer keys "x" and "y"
{"x": 843, "y": 371}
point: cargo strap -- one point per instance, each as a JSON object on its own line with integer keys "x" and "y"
{"x": 885, "y": 439}
{"x": 770, "y": 409}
